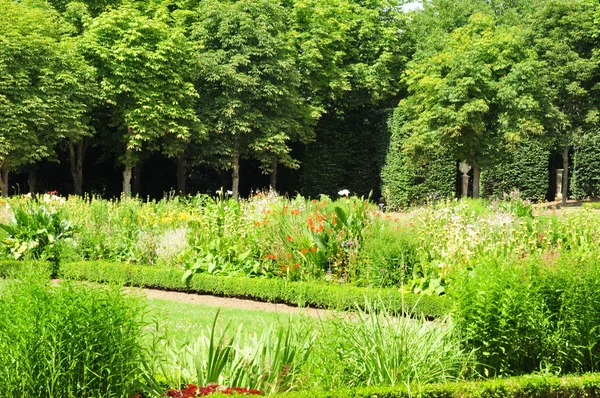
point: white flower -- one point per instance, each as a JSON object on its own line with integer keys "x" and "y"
{"x": 344, "y": 192}
{"x": 229, "y": 192}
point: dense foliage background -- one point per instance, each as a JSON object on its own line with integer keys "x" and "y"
{"x": 308, "y": 96}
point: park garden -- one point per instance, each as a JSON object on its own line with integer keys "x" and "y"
{"x": 381, "y": 169}
{"x": 456, "y": 298}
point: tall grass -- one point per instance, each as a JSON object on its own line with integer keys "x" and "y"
{"x": 269, "y": 361}
{"x": 67, "y": 340}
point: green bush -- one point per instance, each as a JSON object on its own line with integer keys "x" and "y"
{"x": 541, "y": 313}
{"x": 378, "y": 348}
{"x": 312, "y": 294}
{"x": 388, "y": 255}
{"x": 405, "y": 182}
{"x": 525, "y": 170}
{"x": 521, "y": 387}
{"x": 586, "y": 163}
{"x": 67, "y": 340}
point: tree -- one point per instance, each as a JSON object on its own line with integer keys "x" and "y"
{"x": 145, "y": 72}
{"x": 250, "y": 82}
{"x": 566, "y": 38}
{"x": 478, "y": 94}
{"x": 44, "y": 90}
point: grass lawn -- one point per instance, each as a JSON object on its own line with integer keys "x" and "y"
{"x": 187, "y": 319}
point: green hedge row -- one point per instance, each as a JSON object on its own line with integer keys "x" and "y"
{"x": 405, "y": 181}
{"x": 518, "y": 387}
{"x": 525, "y": 169}
{"x": 319, "y": 295}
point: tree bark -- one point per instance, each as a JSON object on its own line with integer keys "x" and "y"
{"x": 32, "y": 180}
{"x": 273, "y": 176}
{"x": 127, "y": 182}
{"x": 128, "y": 168}
{"x": 181, "y": 173}
{"x": 4, "y": 180}
{"x": 476, "y": 175}
{"x": 77, "y": 153}
{"x": 565, "y": 176}
{"x": 136, "y": 180}
{"x": 236, "y": 174}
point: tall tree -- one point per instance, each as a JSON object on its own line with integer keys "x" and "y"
{"x": 477, "y": 94}
{"x": 44, "y": 89}
{"x": 145, "y": 74}
{"x": 250, "y": 82}
{"x": 566, "y": 38}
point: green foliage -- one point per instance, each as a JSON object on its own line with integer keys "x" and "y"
{"x": 538, "y": 314}
{"x": 319, "y": 295}
{"x": 468, "y": 98}
{"x": 67, "y": 340}
{"x": 586, "y": 163}
{"x": 269, "y": 361}
{"x": 379, "y": 348}
{"x": 36, "y": 233}
{"x": 539, "y": 386}
{"x": 47, "y": 87}
{"x": 525, "y": 170}
{"x": 407, "y": 181}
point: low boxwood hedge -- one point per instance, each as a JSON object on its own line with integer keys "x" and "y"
{"x": 310, "y": 294}
{"x": 516, "y": 387}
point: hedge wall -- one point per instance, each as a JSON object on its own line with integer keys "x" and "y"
{"x": 519, "y": 387}
{"x": 404, "y": 182}
{"x": 319, "y": 295}
{"x": 348, "y": 154}
{"x": 586, "y": 167}
{"x": 525, "y": 169}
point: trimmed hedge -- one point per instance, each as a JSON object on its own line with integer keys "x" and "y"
{"x": 525, "y": 169}
{"x": 518, "y": 387}
{"x": 319, "y": 295}
{"x": 405, "y": 181}
{"x": 586, "y": 163}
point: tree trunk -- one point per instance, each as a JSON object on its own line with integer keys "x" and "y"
{"x": 236, "y": 174}
{"x": 565, "y": 177}
{"x": 476, "y": 175}
{"x": 136, "y": 180}
{"x": 32, "y": 180}
{"x": 4, "y": 180}
{"x": 127, "y": 182}
{"x": 128, "y": 168}
{"x": 273, "y": 177}
{"x": 77, "y": 152}
{"x": 181, "y": 173}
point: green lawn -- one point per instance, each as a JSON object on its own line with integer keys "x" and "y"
{"x": 187, "y": 319}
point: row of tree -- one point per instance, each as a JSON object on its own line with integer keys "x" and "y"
{"x": 210, "y": 82}
{"x": 500, "y": 75}
{"x": 201, "y": 81}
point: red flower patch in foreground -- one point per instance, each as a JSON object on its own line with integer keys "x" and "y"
{"x": 193, "y": 390}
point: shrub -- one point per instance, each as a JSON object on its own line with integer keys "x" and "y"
{"x": 540, "y": 313}
{"x": 379, "y": 348}
{"x": 67, "y": 340}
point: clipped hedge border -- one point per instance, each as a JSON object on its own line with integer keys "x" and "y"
{"x": 516, "y": 387}
{"x": 318, "y": 295}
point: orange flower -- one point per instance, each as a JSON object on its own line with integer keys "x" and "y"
{"x": 295, "y": 212}
{"x": 304, "y": 250}
{"x": 314, "y": 201}
{"x": 320, "y": 228}
{"x": 257, "y": 224}
{"x": 297, "y": 265}
{"x": 289, "y": 255}
{"x": 289, "y": 238}
{"x": 314, "y": 249}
